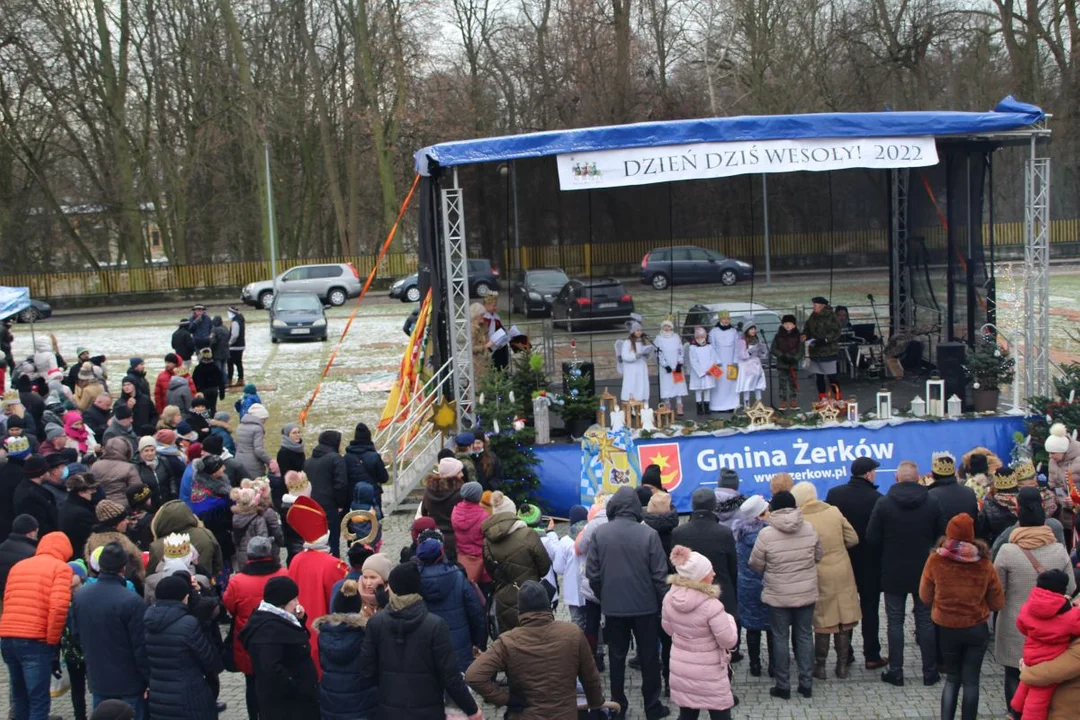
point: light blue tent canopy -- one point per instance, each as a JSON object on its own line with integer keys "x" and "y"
{"x": 13, "y": 300}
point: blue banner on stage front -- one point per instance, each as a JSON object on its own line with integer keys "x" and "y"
{"x": 822, "y": 456}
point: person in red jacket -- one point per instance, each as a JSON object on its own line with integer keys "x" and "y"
{"x": 161, "y": 385}
{"x": 1049, "y": 623}
{"x": 243, "y": 595}
{"x": 36, "y": 601}
{"x": 314, "y": 570}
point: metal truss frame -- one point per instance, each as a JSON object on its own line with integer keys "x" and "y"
{"x": 902, "y": 302}
{"x": 457, "y": 302}
{"x": 1036, "y": 275}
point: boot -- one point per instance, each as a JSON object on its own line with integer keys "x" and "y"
{"x": 701, "y": 409}
{"x": 842, "y": 641}
{"x": 821, "y": 654}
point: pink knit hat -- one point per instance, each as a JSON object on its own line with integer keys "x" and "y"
{"x": 689, "y": 564}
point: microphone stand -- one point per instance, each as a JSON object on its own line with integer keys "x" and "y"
{"x": 877, "y": 323}
{"x": 769, "y": 374}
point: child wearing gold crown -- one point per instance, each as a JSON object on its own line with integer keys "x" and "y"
{"x": 296, "y": 485}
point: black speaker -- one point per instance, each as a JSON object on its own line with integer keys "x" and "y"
{"x": 950, "y": 365}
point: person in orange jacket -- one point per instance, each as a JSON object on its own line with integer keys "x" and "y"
{"x": 36, "y": 601}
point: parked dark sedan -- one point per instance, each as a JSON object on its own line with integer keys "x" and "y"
{"x": 535, "y": 290}
{"x": 591, "y": 302}
{"x": 483, "y": 279}
{"x": 687, "y": 264}
{"x": 297, "y": 316}
{"x": 38, "y": 310}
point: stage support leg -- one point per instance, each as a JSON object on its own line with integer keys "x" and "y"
{"x": 457, "y": 305}
{"x": 1036, "y": 275}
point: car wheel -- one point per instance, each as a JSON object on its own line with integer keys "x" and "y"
{"x": 413, "y": 294}
{"x": 29, "y": 315}
{"x": 337, "y": 297}
{"x": 266, "y": 299}
{"x": 324, "y": 338}
{"x": 482, "y": 289}
{"x": 274, "y": 340}
{"x": 659, "y": 281}
{"x": 728, "y": 277}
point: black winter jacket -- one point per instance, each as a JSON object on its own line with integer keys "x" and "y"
{"x": 219, "y": 342}
{"x": 77, "y": 521}
{"x": 181, "y": 659}
{"x": 408, "y": 654}
{"x": 448, "y": 593}
{"x": 703, "y": 534}
{"x": 664, "y": 524}
{"x": 208, "y": 381}
{"x": 107, "y": 620}
{"x": 625, "y": 564}
{"x": 33, "y": 499}
{"x": 285, "y": 677}
{"x": 157, "y": 479}
{"x": 290, "y": 460}
{"x": 342, "y": 694}
{"x": 856, "y": 499}
{"x": 954, "y": 499}
{"x": 97, "y": 420}
{"x": 11, "y": 476}
{"x": 183, "y": 344}
{"x": 364, "y": 464}
{"x": 329, "y": 481}
{"x": 905, "y": 525}
{"x": 12, "y": 550}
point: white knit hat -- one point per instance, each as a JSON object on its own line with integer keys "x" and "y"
{"x": 502, "y": 504}
{"x": 1058, "y": 439}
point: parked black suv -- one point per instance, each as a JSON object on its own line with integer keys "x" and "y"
{"x": 685, "y": 264}
{"x": 591, "y": 302}
{"x": 535, "y": 290}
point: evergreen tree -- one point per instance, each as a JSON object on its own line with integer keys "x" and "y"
{"x": 497, "y": 415}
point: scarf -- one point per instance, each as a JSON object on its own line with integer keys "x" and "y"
{"x": 79, "y": 435}
{"x": 369, "y": 605}
{"x": 275, "y": 610}
{"x": 320, "y": 545}
{"x": 151, "y": 464}
{"x": 960, "y": 551}
{"x": 400, "y": 602}
{"x": 1030, "y": 538}
{"x": 287, "y": 443}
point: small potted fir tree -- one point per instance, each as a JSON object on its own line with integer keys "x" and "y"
{"x": 988, "y": 367}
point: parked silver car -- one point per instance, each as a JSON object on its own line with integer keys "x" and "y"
{"x": 334, "y": 284}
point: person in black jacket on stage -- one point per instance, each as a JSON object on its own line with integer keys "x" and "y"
{"x": 855, "y": 500}
{"x": 180, "y": 657}
{"x": 19, "y": 545}
{"x": 286, "y": 681}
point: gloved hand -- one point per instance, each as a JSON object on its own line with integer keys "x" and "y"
{"x": 667, "y": 368}
{"x": 678, "y": 368}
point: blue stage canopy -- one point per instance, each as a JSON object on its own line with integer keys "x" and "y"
{"x": 1009, "y": 114}
{"x": 13, "y": 300}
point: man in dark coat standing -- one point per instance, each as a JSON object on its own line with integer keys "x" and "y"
{"x": 183, "y": 344}
{"x": 627, "y": 572}
{"x": 906, "y": 524}
{"x": 953, "y": 497}
{"x": 11, "y": 476}
{"x": 855, "y": 500}
{"x": 77, "y": 514}
{"x": 201, "y": 327}
{"x": 97, "y": 417}
{"x": 237, "y": 341}
{"x": 327, "y": 473}
{"x": 365, "y": 462}
{"x": 703, "y": 534}
{"x": 20, "y": 544}
{"x": 32, "y": 498}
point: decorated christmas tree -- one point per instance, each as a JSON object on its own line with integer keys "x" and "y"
{"x": 528, "y": 380}
{"x": 500, "y": 415}
{"x": 577, "y": 405}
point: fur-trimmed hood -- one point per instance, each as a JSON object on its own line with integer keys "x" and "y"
{"x": 707, "y": 588}
{"x": 687, "y": 597}
{"x": 353, "y": 620}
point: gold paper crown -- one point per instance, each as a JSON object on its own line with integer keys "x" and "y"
{"x": 141, "y": 494}
{"x": 298, "y": 483}
{"x": 17, "y": 444}
{"x": 943, "y": 464}
{"x": 1005, "y": 482}
{"x": 1024, "y": 471}
{"x": 11, "y": 397}
{"x": 669, "y": 318}
{"x": 177, "y": 545}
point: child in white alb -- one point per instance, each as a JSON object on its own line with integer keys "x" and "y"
{"x": 701, "y": 360}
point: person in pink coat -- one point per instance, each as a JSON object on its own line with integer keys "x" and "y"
{"x": 702, "y": 637}
{"x": 466, "y": 519}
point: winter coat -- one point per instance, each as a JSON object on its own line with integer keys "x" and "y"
{"x": 787, "y": 348}
{"x": 438, "y": 503}
{"x": 702, "y": 636}
{"x": 250, "y": 449}
{"x": 824, "y": 328}
{"x": 86, "y": 394}
{"x": 286, "y": 681}
{"x": 448, "y": 593}
{"x": 208, "y": 381}
{"x": 226, "y": 437}
{"x": 467, "y": 518}
{"x": 114, "y": 471}
{"x": 219, "y": 342}
{"x": 961, "y": 590}
{"x": 325, "y": 470}
{"x": 786, "y": 554}
{"x": 237, "y": 331}
{"x": 1058, "y": 473}
{"x": 179, "y": 394}
{"x": 626, "y": 566}
{"x": 855, "y": 500}
{"x": 97, "y": 421}
{"x": 33, "y": 499}
{"x": 408, "y": 654}
{"x": 663, "y": 524}
{"x": 1018, "y": 577}
{"x": 38, "y": 593}
{"x": 161, "y": 389}
{"x": 290, "y": 460}
{"x": 728, "y": 506}
{"x": 15, "y": 548}
{"x": 124, "y": 432}
{"x": 183, "y": 344}
{"x": 181, "y": 659}
{"x": 342, "y": 694}
{"x": 77, "y": 520}
{"x": 1062, "y": 672}
{"x": 201, "y": 329}
{"x": 753, "y": 614}
{"x": 838, "y": 597}
{"x": 543, "y": 660}
{"x": 704, "y": 535}
{"x": 954, "y": 498}
{"x": 998, "y": 513}
{"x": 371, "y": 460}
{"x": 176, "y": 517}
{"x": 492, "y": 479}
{"x": 1054, "y": 525}
{"x": 11, "y": 476}
{"x": 513, "y": 554}
{"x": 248, "y": 523}
{"x": 157, "y": 478}
{"x": 905, "y": 524}
{"x": 242, "y": 596}
{"x": 143, "y": 413}
{"x": 107, "y": 619}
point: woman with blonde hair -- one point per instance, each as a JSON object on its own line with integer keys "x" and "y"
{"x": 837, "y": 610}
{"x": 170, "y": 418}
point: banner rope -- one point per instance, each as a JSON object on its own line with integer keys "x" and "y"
{"x": 367, "y": 285}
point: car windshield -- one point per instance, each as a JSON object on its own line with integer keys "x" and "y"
{"x": 289, "y": 303}
{"x": 548, "y": 278}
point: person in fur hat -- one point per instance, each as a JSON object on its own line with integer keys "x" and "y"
{"x": 343, "y": 693}
{"x": 702, "y": 634}
{"x": 442, "y": 492}
{"x": 788, "y": 350}
{"x": 112, "y": 523}
{"x": 253, "y": 516}
{"x": 1063, "y": 475}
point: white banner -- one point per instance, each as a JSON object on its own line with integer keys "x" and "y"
{"x": 669, "y": 163}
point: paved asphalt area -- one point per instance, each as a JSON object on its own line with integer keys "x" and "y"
{"x": 862, "y": 695}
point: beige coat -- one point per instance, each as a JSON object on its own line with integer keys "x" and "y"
{"x": 786, "y": 554}
{"x": 838, "y": 598}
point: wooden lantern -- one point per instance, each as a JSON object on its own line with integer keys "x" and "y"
{"x": 884, "y": 404}
{"x": 663, "y": 417}
{"x": 632, "y": 409}
{"x": 608, "y": 402}
{"x": 935, "y": 397}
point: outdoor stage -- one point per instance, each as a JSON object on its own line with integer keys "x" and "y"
{"x": 822, "y": 455}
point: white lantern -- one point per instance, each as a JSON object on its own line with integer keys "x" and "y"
{"x": 935, "y": 397}
{"x": 884, "y": 404}
{"x": 918, "y": 407}
{"x": 542, "y": 419}
{"x": 955, "y": 406}
{"x": 852, "y": 411}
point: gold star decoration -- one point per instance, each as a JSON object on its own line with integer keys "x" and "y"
{"x": 759, "y": 414}
{"x": 444, "y": 415}
{"x": 828, "y": 413}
